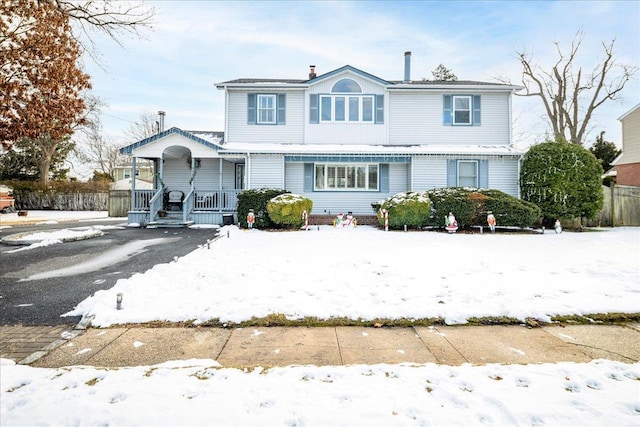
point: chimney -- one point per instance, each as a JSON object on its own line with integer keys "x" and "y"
{"x": 407, "y": 67}
{"x": 161, "y": 121}
{"x": 312, "y": 72}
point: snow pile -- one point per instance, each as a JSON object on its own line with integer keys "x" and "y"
{"x": 198, "y": 392}
{"x": 365, "y": 273}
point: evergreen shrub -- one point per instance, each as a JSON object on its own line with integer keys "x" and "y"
{"x": 563, "y": 179}
{"x": 286, "y": 209}
{"x": 257, "y": 200}
{"x": 471, "y": 205}
{"x": 411, "y": 209}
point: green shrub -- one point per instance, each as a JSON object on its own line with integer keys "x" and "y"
{"x": 257, "y": 200}
{"x": 411, "y": 209}
{"x": 286, "y": 209}
{"x": 470, "y": 207}
{"x": 455, "y": 200}
{"x": 563, "y": 179}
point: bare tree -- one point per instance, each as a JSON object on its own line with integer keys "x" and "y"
{"x": 569, "y": 95}
{"x": 146, "y": 126}
{"x": 113, "y": 18}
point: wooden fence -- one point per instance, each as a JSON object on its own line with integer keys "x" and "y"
{"x": 53, "y": 200}
{"x": 621, "y": 207}
{"x": 119, "y": 203}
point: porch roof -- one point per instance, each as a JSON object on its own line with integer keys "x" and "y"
{"x": 208, "y": 139}
{"x": 366, "y": 150}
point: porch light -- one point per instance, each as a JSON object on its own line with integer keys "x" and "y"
{"x": 119, "y": 301}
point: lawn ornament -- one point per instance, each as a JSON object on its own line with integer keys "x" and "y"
{"x": 385, "y": 214}
{"x": 451, "y": 225}
{"x": 491, "y": 220}
{"x": 251, "y": 218}
{"x": 305, "y": 217}
{"x": 558, "y": 226}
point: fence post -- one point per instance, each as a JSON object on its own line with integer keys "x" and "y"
{"x": 613, "y": 204}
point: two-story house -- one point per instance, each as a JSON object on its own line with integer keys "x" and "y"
{"x": 344, "y": 139}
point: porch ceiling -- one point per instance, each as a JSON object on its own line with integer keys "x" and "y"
{"x": 176, "y": 152}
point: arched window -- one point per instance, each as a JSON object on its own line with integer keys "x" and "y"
{"x": 346, "y": 85}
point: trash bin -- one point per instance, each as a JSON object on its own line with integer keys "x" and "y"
{"x": 227, "y": 219}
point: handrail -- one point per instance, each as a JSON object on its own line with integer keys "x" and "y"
{"x": 155, "y": 204}
{"x": 187, "y": 205}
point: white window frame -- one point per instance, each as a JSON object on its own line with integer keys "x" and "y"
{"x": 342, "y": 174}
{"x": 476, "y": 177}
{"x": 454, "y": 110}
{"x": 347, "y": 98}
{"x": 266, "y": 109}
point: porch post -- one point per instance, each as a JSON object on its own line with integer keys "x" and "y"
{"x": 133, "y": 183}
{"x": 159, "y": 181}
{"x": 220, "y": 175}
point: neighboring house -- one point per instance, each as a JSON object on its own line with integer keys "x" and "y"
{"x": 627, "y": 164}
{"x": 344, "y": 139}
{"x": 125, "y": 171}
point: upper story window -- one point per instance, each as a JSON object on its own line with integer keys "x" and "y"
{"x": 346, "y": 86}
{"x": 266, "y": 109}
{"x": 461, "y": 110}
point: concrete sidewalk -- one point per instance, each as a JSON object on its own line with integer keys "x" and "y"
{"x": 281, "y": 346}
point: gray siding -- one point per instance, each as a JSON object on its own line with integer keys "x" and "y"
{"x": 503, "y": 176}
{"x": 429, "y": 173}
{"x": 239, "y": 131}
{"x": 266, "y": 170}
{"x": 334, "y": 202}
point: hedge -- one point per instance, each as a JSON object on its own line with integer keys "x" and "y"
{"x": 286, "y": 209}
{"x": 257, "y": 200}
{"x": 411, "y": 209}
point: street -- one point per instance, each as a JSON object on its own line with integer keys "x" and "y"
{"x": 38, "y": 285}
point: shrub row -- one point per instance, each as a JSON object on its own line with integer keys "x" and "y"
{"x": 286, "y": 209}
{"x": 469, "y": 205}
{"x": 257, "y": 200}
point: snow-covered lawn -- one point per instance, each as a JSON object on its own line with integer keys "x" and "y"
{"x": 358, "y": 273}
{"x": 190, "y": 393}
{"x": 366, "y": 273}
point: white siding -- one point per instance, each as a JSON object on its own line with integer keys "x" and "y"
{"x": 266, "y": 171}
{"x": 334, "y": 202}
{"x": 416, "y": 118}
{"x": 176, "y": 174}
{"x": 158, "y": 147}
{"x": 503, "y": 176}
{"x": 345, "y": 133}
{"x": 208, "y": 175}
{"x": 239, "y": 131}
{"x": 429, "y": 173}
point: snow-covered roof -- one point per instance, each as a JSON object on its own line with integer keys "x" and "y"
{"x": 351, "y": 149}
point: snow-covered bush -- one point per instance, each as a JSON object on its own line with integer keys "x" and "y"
{"x": 286, "y": 209}
{"x": 257, "y": 200}
{"x": 471, "y": 205}
{"x": 563, "y": 179}
{"x": 411, "y": 209}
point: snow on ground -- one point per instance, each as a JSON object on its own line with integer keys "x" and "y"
{"x": 198, "y": 392}
{"x": 366, "y": 273}
{"x": 50, "y": 217}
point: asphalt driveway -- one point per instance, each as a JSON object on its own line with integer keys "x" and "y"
{"x": 38, "y": 285}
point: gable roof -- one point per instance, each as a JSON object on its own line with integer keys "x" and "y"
{"x": 347, "y": 68}
{"x": 202, "y": 137}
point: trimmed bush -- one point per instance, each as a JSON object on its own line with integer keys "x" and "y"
{"x": 411, "y": 209}
{"x": 470, "y": 207}
{"x": 257, "y": 200}
{"x": 286, "y": 209}
{"x": 563, "y": 179}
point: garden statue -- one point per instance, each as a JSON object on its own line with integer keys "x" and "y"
{"x": 451, "y": 225}
{"x": 558, "y": 226}
{"x": 251, "y": 218}
{"x": 491, "y": 220}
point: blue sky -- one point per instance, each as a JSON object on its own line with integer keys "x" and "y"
{"x": 195, "y": 44}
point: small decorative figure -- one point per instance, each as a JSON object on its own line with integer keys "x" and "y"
{"x": 385, "y": 215}
{"x": 558, "y": 226}
{"x": 251, "y": 218}
{"x": 338, "y": 220}
{"x": 491, "y": 220}
{"x": 305, "y": 218}
{"x": 451, "y": 225}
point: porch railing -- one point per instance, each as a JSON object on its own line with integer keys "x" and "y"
{"x": 215, "y": 200}
{"x": 187, "y": 205}
{"x": 142, "y": 199}
{"x": 156, "y": 202}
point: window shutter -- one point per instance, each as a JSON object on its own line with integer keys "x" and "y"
{"x": 384, "y": 177}
{"x": 379, "y": 108}
{"x": 452, "y": 173}
{"x": 446, "y": 113}
{"x": 476, "y": 110}
{"x": 308, "y": 177}
{"x": 483, "y": 174}
{"x": 282, "y": 109}
{"x": 251, "y": 109}
{"x": 313, "y": 109}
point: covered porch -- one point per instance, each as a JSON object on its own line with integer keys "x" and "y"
{"x": 193, "y": 183}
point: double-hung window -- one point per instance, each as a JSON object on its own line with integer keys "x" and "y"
{"x": 346, "y": 177}
{"x": 266, "y": 109}
{"x": 468, "y": 173}
{"x": 461, "y": 110}
{"x": 346, "y": 104}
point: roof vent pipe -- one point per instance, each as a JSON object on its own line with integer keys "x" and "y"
{"x": 407, "y": 67}
{"x": 161, "y": 121}
{"x": 312, "y": 72}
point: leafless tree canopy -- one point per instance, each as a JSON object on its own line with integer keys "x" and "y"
{"x": 569, "y": 94}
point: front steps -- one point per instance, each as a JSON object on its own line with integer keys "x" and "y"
{"x": 173, "y": 219}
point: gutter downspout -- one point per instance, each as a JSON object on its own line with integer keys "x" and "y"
{"x": 248, "y": 172}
